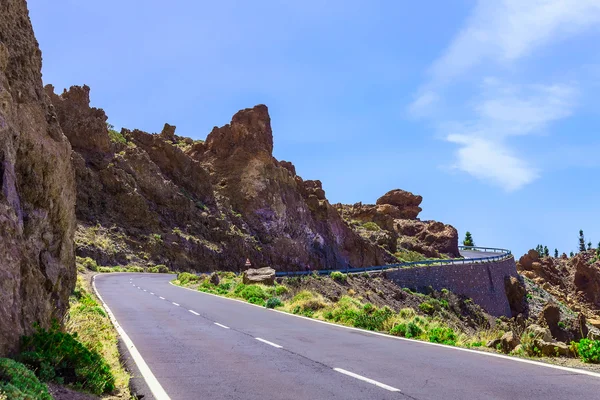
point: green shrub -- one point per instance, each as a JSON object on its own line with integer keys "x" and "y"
{"x": 338, "y": 276}
{"x": 444, "y": 335}
{"x": 19, "y": 383}
{"x": 88, "y": 263}
{"x": 410, "y": 330}
{"x": 371, "y": 226}
{"x": 280, "y": 289}
{"x": 589, "y": 350}
{"x": 185, "y": 278}
{"x": 134, "y": 269}
{"x": 256, "y": 300}
{"x": 250, "y": 291}
{"x": 58, "y": 356}
{"x": 372, "y": 318}
{"x": 274, "y": 302}
{"x": 116, "y": 137}
{"x": 427, "y": 307}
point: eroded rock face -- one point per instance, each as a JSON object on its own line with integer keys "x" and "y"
{"x": 37, "y": 189}
{"x": 406, "y": 202}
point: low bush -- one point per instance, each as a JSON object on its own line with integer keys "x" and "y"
{"x": 256, "y": 300}
{"x": 185, "y": 277}
{"x": 589, "y": 350}
{"x": 273, "y": 302}
{"x": 252, "y": 291}
{"x": 444, "y": 335}
{"x": 158, "y": 269}
{"x": 59, "y": 357}
{"x": 134, "y": 269}
{"x": 88, "y": 263}
{"x": 339, "y": 276}
{"x": 408, "y": 330}
{"x": 371, "y": 226}
{"x": 280, "y": 289}
{"x": 19, "y": 383}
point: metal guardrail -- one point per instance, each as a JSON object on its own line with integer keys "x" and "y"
{"x": 502, "y": 254}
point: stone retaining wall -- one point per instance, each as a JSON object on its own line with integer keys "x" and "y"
{"x": 482, "y": 282}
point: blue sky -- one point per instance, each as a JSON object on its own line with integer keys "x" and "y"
{"x": 488, "y": 109}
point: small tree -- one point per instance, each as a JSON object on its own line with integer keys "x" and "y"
{"x": 581, "y": 241}
{"x": 546, "y": 252}
{"x": 468, "y": 240}
{"x": 589, "y": 245}
{"x": 555, "y": 253}
{"x": 571, "y": 254}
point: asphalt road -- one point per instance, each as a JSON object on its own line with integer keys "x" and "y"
{"x": 477, "y": 254}
{"x": 200, "y": 346}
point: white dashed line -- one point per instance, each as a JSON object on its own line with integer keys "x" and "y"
{"x": 161, "y": 297}
{"x": 221, "y": 325}
{"x": 152, "y": 293}
{"x": 145, "y": 290}
{"x": 371, "y": 381}
{"x": 269, "y": 343}
{"x": 193, "y": 312}
{"x": 176, "y": 304}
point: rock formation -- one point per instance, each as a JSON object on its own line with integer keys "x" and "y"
{"x": 37, "y": 189}
{"x": 574, "y": 281}
{"x": 392, "y": 223}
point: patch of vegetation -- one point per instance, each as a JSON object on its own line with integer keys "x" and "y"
{"x": 185, "y": 277}
{"x": 589, "y": 350}
{"x": 371, "y": 226}
{"x": 93, "y": 328}
{"x": 19, "y": 383}
{"x": 409, "y": 256}
{"x": 444, "y": 335}
{"x": 60, "y": 357}
{"x": 158, "y": 269}
{"x": 87, "y": 263}
{"x": 339, "y": 276}
{"x": 274, "y": 302}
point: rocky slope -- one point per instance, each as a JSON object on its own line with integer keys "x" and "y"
{"x": 192, "y": 205}
{"x": 575, "y": 281}
{"x": 37, "y": 188}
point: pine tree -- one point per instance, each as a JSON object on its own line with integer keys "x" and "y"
{"x": 546, "y": 252}
{"x": 571, "y": 255}
{"x": 589, "y": 245}
{"x": 581, "y": 241}
{"x": 468, "y": 240}
{"x": 555, "y": 253}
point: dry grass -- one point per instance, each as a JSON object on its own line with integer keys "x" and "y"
{"x": 93, "y": 327}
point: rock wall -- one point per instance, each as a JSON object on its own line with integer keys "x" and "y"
{"x": 37, "y": 188}
{"x": 482, "y": 282}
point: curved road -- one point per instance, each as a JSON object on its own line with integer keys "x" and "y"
{"x": 200, "y": 346}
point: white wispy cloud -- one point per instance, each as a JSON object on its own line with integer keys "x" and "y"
{"x": 497, "y": 37}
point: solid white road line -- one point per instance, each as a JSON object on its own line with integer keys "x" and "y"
{"x": 176, "y": 304}
{"x": 371, "y": 381}
{"x": 269, "y": 343}
{"x": 155, "y": 386}
{"x": 161, "y": 297}
{"x": 193, "y": 312}
{"x": 222, "y": 326}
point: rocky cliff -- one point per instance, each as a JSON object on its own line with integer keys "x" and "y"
{"x": 575, "y": 281}
{"x": 160, "y": 198}
{"x": 37, "y": 188}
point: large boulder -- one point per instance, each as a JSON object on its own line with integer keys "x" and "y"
{"x": 264, "y": 275}
{"x": 538, "y": 332}
{"x": 37, "y": 189}
{"x": 406, "y": 202}
{"x": 509, "y": 341}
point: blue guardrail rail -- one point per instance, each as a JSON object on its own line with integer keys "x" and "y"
{"x": 499, "y": 254}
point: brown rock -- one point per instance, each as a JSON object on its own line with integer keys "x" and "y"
{"x": 406, "y": 202}
{"x": 214, "y": 278}
{"x": 264, "y": 275}
{"x": 515, "y": 292}
{"x": 509, "y": 341}
{"x": 168, "y": 132}
{"x": 526, "y": 261}
{"x": 552, "y": 349}
{"x": 493, "y": 344}
{"x": 539, "y": 332}
{"x": 37, "y": 189}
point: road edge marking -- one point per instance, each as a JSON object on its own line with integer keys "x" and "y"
{"x": 481, "y": 353}
{"x": 193, "y": 312}
{"x": 221, "y": 325}
{"x": 368, "y": 380}
{"x": 153, "y": 383}
{"x": 269, "y": 343}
